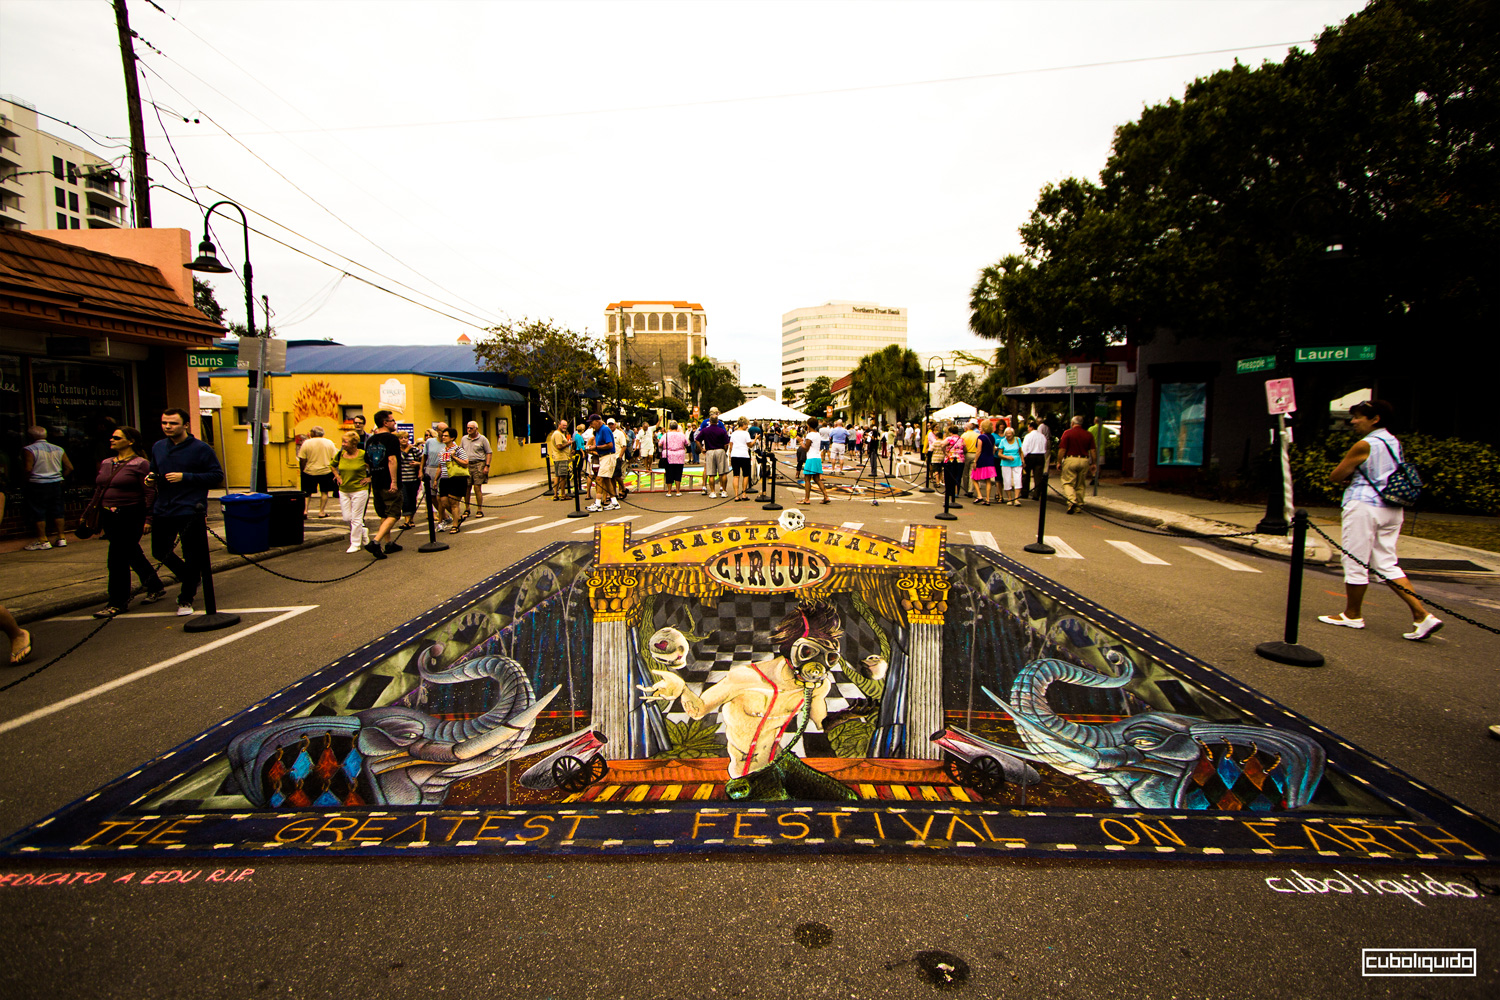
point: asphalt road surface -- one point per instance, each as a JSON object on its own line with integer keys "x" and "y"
{"x": 706, "y": 926}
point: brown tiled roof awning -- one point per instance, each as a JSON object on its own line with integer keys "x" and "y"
{"x": 67, "y": 289}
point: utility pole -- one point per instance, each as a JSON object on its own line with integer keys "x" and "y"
{"x": 140, "y": 181}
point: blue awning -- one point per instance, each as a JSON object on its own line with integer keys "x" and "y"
{"x": 447, "y": 388}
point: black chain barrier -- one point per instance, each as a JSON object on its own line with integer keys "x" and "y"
{"x": 1169, "y": 533}
{"x": 1406, "y": 590}
{"x": 296, "y": 579}
{"x": 97, "y": 629}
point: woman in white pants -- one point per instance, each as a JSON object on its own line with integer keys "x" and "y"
{"x": 353, "y": 477}
{"x": 1371, "y": 527}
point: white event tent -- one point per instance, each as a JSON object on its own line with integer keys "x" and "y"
{"x": 762, "y": 408}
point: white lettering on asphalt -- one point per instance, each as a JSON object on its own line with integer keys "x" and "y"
{"x": 286, "y": 615}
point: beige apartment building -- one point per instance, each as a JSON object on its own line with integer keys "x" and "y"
{"x": 656, "y": 335}
{"x": 49, "y": 183}
{"x": 831, "y": 338}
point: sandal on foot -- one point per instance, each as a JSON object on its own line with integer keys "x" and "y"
{"x": 24, "y": 653}
{"x": 1339, "y": 619}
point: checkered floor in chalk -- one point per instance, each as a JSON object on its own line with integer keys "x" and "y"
{"x": 739, "y": 632}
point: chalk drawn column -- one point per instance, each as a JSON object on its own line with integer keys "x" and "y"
{"x": 925, "y": 601}
{"x": 609, "y": 593}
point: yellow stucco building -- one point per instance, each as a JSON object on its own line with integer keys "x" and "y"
{"x": 327, "y": 385}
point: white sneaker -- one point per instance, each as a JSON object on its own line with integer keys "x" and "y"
{"x": 353, "y": 548}
{"x": 364, "y": 536}
{"x": 38, "y": 546}
{"x": 61, "y": 543}
{"x": 612, "y": 505}
{"x": 1423, "y": 628}
{"x": 1339, "y": 619}
{"x": 183, "y": 610}
{"x": 594, "y": 507}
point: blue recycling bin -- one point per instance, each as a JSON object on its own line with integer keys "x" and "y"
{"x": 247, "y": 522}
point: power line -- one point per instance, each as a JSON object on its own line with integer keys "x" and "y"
{"x": 288, "y": 180}
{"x": 367, "y": 281}
{"x": 792, "y": 95}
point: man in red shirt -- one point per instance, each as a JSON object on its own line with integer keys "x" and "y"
{"x": 1075, "y": 450}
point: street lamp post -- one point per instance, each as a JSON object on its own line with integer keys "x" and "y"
{"x": 207, "y": 262}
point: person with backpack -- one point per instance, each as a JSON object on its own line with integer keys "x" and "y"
{"x": 1378, "y": 485}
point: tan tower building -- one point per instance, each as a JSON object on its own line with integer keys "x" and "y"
{"x": 49, "y": 183}
{"x": 831, "y": 338}
{"x": 655, "y": 335}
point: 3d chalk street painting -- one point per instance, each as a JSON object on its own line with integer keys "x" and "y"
{"x": 768, "y": 686}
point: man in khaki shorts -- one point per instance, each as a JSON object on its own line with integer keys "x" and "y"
{"x": 477, "y": 447}
{"x": 560, "y": 454}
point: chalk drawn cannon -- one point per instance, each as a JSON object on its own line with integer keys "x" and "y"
{"x": 572, "y": 767}
{"x": 976, "y": 763}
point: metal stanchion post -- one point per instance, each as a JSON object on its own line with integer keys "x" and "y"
{"x": 945, "y": 516}
{"x": 1288, "y": 651}
{"x": 432, "y": 544}
{"x": 927, "y": 482}
{"x": 577, "y": 511}
{"x": 773, "y": 505}
{"x": 764, "y": 465}
{"x": 1039, "y": 546}
{"x": 212, "y": 618}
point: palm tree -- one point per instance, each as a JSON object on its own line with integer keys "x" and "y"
{"x": 698, "y": 376}
{"x": 997, "y": 313}
{"x": 890, "y": 379}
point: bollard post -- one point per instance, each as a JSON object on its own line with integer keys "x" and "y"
{"x": 212, "y": 618}
{"x": 927, "y": 487}
{"x": 432, "y": 544}
{"x": 764, "y": 464}
{"x": 577, "y": 510}
{"x": 945, "y": 516}
{"x": 773, "y": 505}
{"x": 1039, "y": 546}
{"x": 1288, "y": 651}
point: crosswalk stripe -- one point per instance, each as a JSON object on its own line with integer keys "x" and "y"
{"x": 856, "y": 525}
{"x": 659, "y": 525}
{"x": 502, "y": 524}
{"x": 986, "y": 539}
{"x": 1219, "y": 558}
{"x": 544, "y": 527}
{"x": 1064, "y": 550}
{"x": 732, "y": 520}
{"x": 1137, "y": 553}
{"x": 590, "y": 528}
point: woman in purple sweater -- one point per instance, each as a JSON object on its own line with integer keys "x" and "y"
{"x": 124, "y": 497}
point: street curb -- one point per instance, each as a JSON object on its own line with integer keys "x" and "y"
{"x": 1187, "y": 526}
{"x": 220, "y": 562}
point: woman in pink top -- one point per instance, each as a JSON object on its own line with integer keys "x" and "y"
{"x": 953, "y": 464}
{"x": 674, "y": 445}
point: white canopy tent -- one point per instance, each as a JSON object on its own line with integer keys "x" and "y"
{"x": 1056, "y": 384}
{"x": 955, "y": 411}
{"x": 762, "y": 408}
{"x": 209, "y": 400}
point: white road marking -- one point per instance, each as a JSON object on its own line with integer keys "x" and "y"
{"x": 856, "y": 525}
{"x": 1219, "y": 558}
{"x": 1064, "y": 550}
{"x": 173, "y": 614}
{"x": 659, "y": 525}
{"x": 732, "y": 520}
{"x": 986, "y": 539}
{"x": 94, "y": 692}
{"x": 589, "y": 530}
{"x": 502, "y": 524}
{"x": 543, "y": 527}
{"x": 1137, "y": 553}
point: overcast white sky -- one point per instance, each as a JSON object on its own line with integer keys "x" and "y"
{"x": 545, "y": 159}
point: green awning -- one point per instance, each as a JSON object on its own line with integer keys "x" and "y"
{"x": 447, "y": 388}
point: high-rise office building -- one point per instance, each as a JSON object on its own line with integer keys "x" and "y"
{"x": 49, "y": 183}
{"x": 831, "y": 338}
{"x": 656, "y": 336}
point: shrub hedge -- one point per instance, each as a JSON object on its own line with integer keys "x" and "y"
{"x": 1458, "y": 476}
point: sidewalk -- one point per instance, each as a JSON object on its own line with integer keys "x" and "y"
{"x": 1420, "y": 557}
{"x": 37, "y": 585}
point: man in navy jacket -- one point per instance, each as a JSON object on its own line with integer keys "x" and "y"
{"x": 184, "y": 470}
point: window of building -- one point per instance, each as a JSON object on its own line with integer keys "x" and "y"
{"x": 72, "y": 201}
{"x": 611, "y": 322}
{"x": 72, "y": 173}
{"x": 697, "y": 324}
{"x": 242, "y": 416}
{"x": 62, "y": 221}
{"x": 1182, "y": 411}
{"x": 653, "y": 322}
{"x": 640, "y": 321}
{"x": 72, "y": 223}
{"x": 348, "y": 413}
{"x": 682, "y": 322}
{"x": 59, "y": 197}
{"x": 57, "y": 167}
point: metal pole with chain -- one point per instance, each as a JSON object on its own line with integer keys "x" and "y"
{"x": 1288, "y": 651}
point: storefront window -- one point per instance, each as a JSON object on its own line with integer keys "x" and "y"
{"x": 1180, "y": 423}
{"x": 12, "y": 424}
{"x": 80, "y": 403}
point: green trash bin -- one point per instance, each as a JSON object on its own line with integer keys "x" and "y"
{"x": 247, "y": 522}
{"x": 287, "y": 510}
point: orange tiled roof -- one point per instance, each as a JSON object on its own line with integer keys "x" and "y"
{"x": 64, "y": 285}
{"x": 842, "y": 384}
{"x": 670, "y": 303}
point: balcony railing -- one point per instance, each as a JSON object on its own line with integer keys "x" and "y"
{"x": 105, "y": 214}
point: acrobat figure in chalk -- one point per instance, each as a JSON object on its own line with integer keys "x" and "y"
{"x": 759, "y": 702}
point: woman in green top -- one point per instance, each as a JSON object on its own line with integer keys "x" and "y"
{"x": 353, "y": 477}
